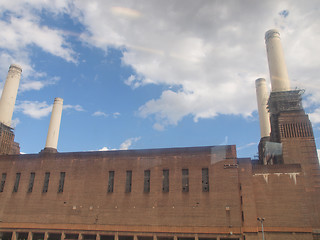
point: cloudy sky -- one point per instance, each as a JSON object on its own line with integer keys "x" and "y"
{"x": 152, "y": 74}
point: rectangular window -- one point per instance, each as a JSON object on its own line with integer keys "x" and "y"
{"x": 3, "y": 181}
{"x": 111, "y": 181}
{"x": 46, "y": 182}
{"x": 16, "y": 184}
{"x": 185, "y": 180}
{"x": 316, "y": 236}
{"x": 37, "y": 236}
{"x": 146, "y": 184}
{"x": 205, "y": 180}
{"x": 22, "y": 236}
{"x": 128, "y": 181}
{"x": 31, "y": 181}
{"x": 165, "y": 180}
{"x": 61, "y": 182}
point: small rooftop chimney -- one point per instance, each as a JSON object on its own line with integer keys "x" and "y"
{"x": 262, "y": 100}
{"x": 277, "y": 66}
{"x": 54, "y": 127}
{"x": 9, "y": 94}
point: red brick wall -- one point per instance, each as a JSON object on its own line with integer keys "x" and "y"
{"x": 279, "y": 193}
{"x": 85, "y": 199}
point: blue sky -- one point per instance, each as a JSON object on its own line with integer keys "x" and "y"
{"x": 152, "y": 74}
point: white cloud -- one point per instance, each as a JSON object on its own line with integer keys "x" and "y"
{"x": 38, "y": 110}
{"x": 15, "y": 122}
{"x": 123, "y": 146}
{"x": 99, "y": 114}
{"x": 116, "y": 114}
{"x": 158, "y": 126}
{"x": 103, "y": 114}
{"x": 315, "y": 116}
{"x": 127, "y": 143}
{"x": 104, "y": 149}
{"x": 77, "y": 108}
{"x": 36, "y": 84}
{"x": 20, "y": 32}
{"x": 34, "y": 109}
{"x": 22, "y": 29}
{"x": 210, "y": 51}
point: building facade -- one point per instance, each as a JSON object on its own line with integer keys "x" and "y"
{"x": 196, "y": 193}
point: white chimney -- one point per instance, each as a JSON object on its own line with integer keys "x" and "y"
{"x": 277, "y": 66}
{"x": 54, "y": 127}
{"x": 9, "y": 94}
{"x": 262, "y": 100}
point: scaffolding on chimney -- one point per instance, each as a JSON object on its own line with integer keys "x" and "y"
{"x": 285, "y": 101}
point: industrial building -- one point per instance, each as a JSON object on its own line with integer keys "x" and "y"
{"x": 194, "y": 193}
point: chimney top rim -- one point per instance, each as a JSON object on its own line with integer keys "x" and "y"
{"x": 260, "y": 80}
{"x": 271, "y": 34}
{"x": 14, "y": 65}
{"x": 57, "y": 99}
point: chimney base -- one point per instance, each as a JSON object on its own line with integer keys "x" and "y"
{"x": 49, "y": 150}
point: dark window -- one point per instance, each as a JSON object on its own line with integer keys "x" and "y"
{"x": 46, "y": 182}
{"x": 111, "y": 181}
{"x": 22, "y": 235}
{"x": 61, "y": 182}
{"x": 3, "y": 181}
{"x": 128, "y": 181}
{"x": 88, "y": 237}
{"x": 146, "y": 187}
{"x": 71, "y": 236}
{"x": 185, "y": 180}
{"x": 54, "y": 236}
{"x": 106, "y": 237}
{"x": 165, "y": 180}
{"x": 6, "y": 235}
{"x": 205, "y": 180}
{"x": 37, "y": 236}
{"x": 31, "y": 181}
{"x": 145, "y": 238}
{"x": 165, "y": 238}
{"x": 125, "y": 237}
{"x": 16, "y": 184}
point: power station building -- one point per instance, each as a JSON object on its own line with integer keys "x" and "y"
{"x": 195, "y": 193}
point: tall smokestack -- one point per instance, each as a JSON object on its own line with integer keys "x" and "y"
{"x": 54, "y": 127}
{"x": 9, "y": 94}
{"x": 262, "y": 100}
{"x": 277, "y": 66}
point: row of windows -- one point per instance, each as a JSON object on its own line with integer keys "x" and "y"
{"x": 128, "y": 182}
{"x": 165, "y": 180}
{"x": 31, "y": 182}
{"x": 75, "y": 236}
{"x": 293, "y": 130}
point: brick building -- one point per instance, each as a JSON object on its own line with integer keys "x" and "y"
{"x": 7, "y": 143}
{"x": 197, "y": 193}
